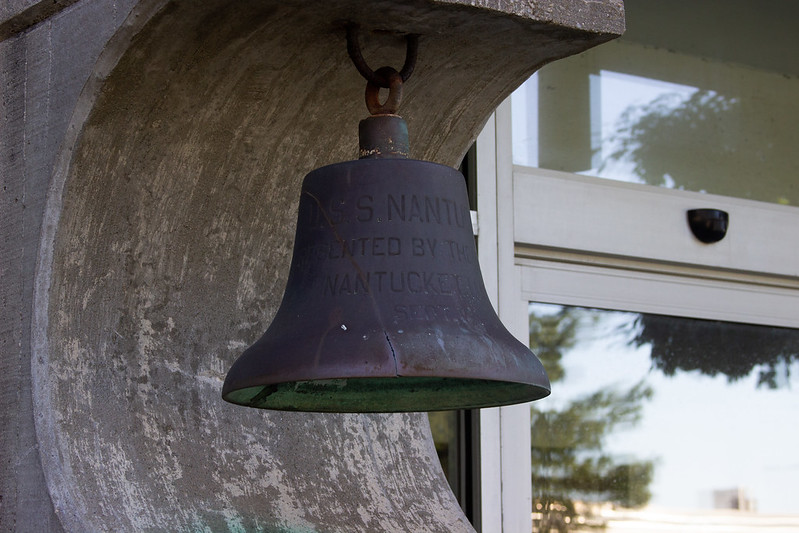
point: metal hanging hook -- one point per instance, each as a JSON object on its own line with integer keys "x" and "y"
{"x": 391, "y": 106}
{"x": 376, "y": 78}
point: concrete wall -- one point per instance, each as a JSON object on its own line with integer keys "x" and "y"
{"x": 150, "y": 157}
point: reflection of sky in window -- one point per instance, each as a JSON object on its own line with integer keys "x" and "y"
{"x": 524, "y": 104}
{"x": 619, "y": 93}
{"x": 612, "y": 93}
{"x": 705, "y": 433}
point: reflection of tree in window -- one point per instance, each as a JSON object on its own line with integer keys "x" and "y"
{"x": 709, "y": 142}
{"x": 570, "y": 470}
{"x": 712, "y": 347}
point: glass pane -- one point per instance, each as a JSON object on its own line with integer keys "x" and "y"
{"x": 638, "y": 113}
{"x": 456, "y": 435}
{"x": 659, "y": 423}
{"x": 444, "y": 427}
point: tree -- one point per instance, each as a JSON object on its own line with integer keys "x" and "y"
{"x": 569, "y": 463}
{"x": 713, "y": 347}
{"x": 711, "y": 142}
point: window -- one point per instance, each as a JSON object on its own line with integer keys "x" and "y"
{"x": 584, "y": 179}
{"x": 658, "y": 420}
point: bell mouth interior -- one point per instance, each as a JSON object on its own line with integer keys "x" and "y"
{"x": 395, "y": 394}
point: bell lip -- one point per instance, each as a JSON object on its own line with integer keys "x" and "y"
{"x": 414, "y": 394}
{"x": 389, "y": 362}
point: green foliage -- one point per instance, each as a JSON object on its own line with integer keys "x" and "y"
{"x": 714, "y": 347}
{"x": 697, "y": 140}
{"x": 568, "y": 457}
{"x": 567, "y": 450}
{"x": 551, "y": 335}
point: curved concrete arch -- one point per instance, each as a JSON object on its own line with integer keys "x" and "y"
{"x": 166, "y": 248}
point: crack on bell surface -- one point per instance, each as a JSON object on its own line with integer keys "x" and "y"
{"x": 393, "y": 353}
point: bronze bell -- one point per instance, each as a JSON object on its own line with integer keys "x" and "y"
{"x": 385, "y": 308}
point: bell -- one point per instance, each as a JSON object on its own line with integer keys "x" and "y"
{"x": 385, "y": 308}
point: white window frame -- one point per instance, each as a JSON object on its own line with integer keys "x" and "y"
{"x": 554, "y": 237}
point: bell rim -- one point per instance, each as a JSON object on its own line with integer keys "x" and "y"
{"x": 387, "y": 394}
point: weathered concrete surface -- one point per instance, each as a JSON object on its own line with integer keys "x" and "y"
{"x": 603, "y": 16}
{"x": 17, "y": 16}
{"x": 41, "y": 76}
{"x": 171, "y": 155}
